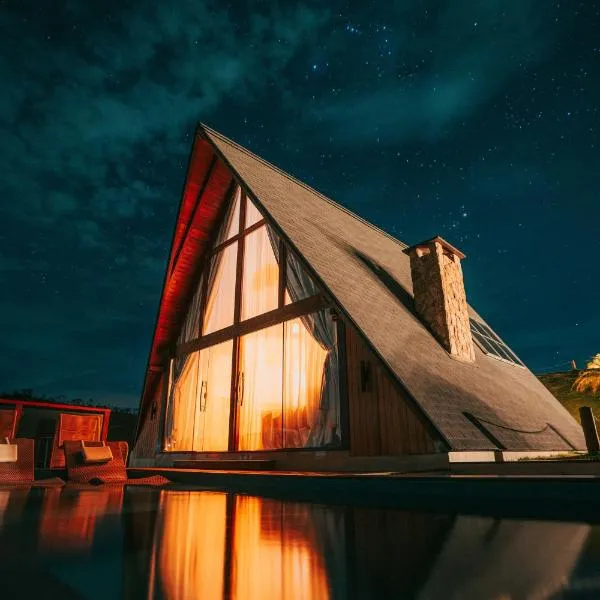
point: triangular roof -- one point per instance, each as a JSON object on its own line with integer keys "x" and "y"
{"x": 367, "y": 274}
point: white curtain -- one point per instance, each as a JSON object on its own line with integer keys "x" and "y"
{"x": 191, "y": 325}
{"x": 304, "y": 361}
{"x": 299, "y": 283}
{"x": 260, "y": 389}
{"x": 260, "y": 283}
{"x": 181, "y": 410}
{"x": 326, "y": 430}
{"x": 221, "y": 295}
{"x": 215, "y": 405}
{"x": 231, "y": 226}
{"x": 252, "y": 214}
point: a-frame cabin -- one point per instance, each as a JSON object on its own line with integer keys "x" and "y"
{"x": 291, "y": 330}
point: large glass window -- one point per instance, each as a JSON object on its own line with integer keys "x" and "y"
{"x": 288, "y": 385}
{"x": 252, "y": 214}
{"x": 298, "y": 283}
{"x": 191, "y": 325}
{"x": 183, "y": 400}
{"x": 220, "y": 300}
{"x": 231, "y": 226}
{"x": 259, "y": 393}
{"x": 310, "y": 382}
{"x": 198, "y": 419}
{"x": 285, "y": 377}
{"x": 260, "y": 282}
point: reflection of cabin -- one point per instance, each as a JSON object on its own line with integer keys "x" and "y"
{"x": 49, "y": 424}
{"x": 208, "y": 544}
{"x": 291, "y": 330}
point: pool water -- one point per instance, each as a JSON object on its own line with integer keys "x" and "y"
{"x": 111, "y": 543}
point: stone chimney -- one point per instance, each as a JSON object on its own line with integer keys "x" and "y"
{"x": 439, "y": 293}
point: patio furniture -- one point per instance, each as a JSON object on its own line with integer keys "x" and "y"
{"x": 20, "y": 472}
{"x": 73, "y": 427}
{"x": 111, "y": 470}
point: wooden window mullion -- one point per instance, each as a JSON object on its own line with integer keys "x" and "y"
{"x": 282, "y": 272}
{"x": 237, "y": 311}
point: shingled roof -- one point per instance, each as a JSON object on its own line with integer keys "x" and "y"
{"x": 367, "y": 274}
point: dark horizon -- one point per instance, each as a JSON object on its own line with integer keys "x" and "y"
{"x": 479, "y": 124}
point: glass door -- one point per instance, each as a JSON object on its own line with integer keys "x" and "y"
{"x": 212, "y": 434}
{"x": 259, "y": 390}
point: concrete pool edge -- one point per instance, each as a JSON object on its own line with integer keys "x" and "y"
{"x": 575, "y": 496}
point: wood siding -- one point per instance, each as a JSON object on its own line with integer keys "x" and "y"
{"x": 393, "y": 550}
{"x": 383, "y": 421}
{"x": 148, "y": 440}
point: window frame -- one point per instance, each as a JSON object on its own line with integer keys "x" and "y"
{"x": 491, "y": 338}
{"x": 284, "y": 312}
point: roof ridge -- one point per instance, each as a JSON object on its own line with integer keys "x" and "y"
{"x": 303, "y": 184}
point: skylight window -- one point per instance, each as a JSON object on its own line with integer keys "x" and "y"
{"x": 491, "y": 344}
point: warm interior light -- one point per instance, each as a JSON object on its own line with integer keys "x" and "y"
{"x": 192, "y": 531}
{"x": 275, "y": 554}
{"x": 273, "y": 550}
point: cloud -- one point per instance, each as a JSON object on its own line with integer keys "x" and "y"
{"x": 96, "y": 113}
{"x": 445, "y": 66}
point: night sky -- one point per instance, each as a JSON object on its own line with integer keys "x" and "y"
{"x": 475, "y": 120}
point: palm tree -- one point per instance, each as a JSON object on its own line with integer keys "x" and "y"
{"x": 589, "y": 380}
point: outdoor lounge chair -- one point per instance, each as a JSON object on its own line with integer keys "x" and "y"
{"x": 73, "y": 428}
{"x": 8, "y": 423}
{"x": 106, "y": 465}
{"x": 19, "y": 469}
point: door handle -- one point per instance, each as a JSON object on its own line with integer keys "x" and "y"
{"x": 240, "y": 390}
{"x": 203, "y": 395}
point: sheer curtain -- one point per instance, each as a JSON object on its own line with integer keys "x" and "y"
{"x": 183, "y": 395}
{"x": 221, "y": 296}
{"x": 299, "y": 284}
{"x": 326, "y": 429}
{"x": 260, "y": 283}
{"x": 260, "y": 389}
{"x": 221, "y": 274}
{"x": 304, "y": 359}
{"x": 191, "y": 325}
{"x": 231, "y": 226}
{"x": 252, "y": 214}
{"x": 215, "y": 405}
{"x": 181, "y": 410}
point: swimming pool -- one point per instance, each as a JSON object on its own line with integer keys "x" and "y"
{"x": 115, "y": 542}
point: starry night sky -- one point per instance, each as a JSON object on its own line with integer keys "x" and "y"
{"x": 475, "y": 120}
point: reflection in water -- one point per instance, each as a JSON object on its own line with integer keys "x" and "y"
{"x": 187, "y": 545}
{"x": 11, "y": 504}
{"x": 277, "y": 551}
{"x": 511, "y": 559}
{"x": 69, "y": 517}
{"x": 214, "y": 546}
{"x": 191, "y": 534}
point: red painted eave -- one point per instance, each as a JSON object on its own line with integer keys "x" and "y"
{"x": 194, "y": 226}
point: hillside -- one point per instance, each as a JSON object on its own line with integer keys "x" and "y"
{"x": 561, "y": 384}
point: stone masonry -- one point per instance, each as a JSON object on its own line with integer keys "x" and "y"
{"x": 439, "y": 294}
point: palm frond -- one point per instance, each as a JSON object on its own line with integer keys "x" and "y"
{"x": 588, "y": 381}
{"x": 594, "y": 362}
